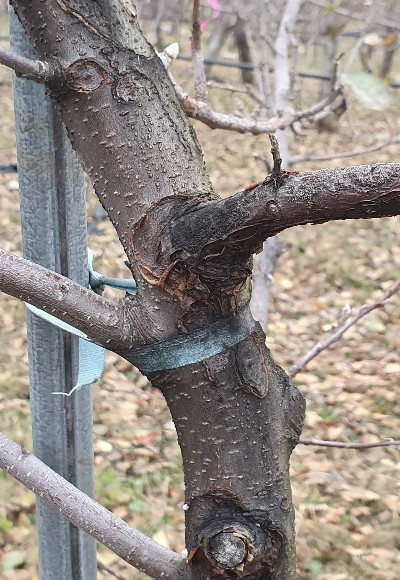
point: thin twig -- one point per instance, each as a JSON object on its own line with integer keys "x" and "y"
{"x": 337, "y": 335}
{"x": 103, "y": 568}
{"x": 345, "y": 154}
{"x": 320, "y": 106}
{"x": 347, "y": 445}
{"x": 199, "y": 75}
{"x": 35, "y": 70}
{"x": 243, "y": 89}
{"x": 88, "y": 515}
{"x": 355, "y": 14}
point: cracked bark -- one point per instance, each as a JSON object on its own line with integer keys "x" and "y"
{"x": 237, "y": 414}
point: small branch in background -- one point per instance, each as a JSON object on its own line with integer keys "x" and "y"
{"x": 103, "y": 568}
{"x": 88, "y": 515}
{"x": 35, "y": 70}
{"x": 337, "y": 335}
{"x": 243, "y": 89}
{"x": 354, "y": 14}
{"x": 265, "y": 88}
{"x": 344, "y": 154}
{"x": 347, "y": 445}
{"x": 283, "y": 85}
{"x": 255, "y": 124}
{"x": 201, "y": 111}
{"x": 199, "y": 75}
{"x": 264, "y": 267}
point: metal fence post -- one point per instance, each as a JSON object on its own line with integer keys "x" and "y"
{"x": 54, "y": 235}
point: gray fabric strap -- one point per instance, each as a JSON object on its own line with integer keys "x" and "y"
{"x": 194, "y": 347}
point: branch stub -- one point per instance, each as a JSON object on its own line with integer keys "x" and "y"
{"x": 227, "y": 549}
{"x": 85, "y": 76}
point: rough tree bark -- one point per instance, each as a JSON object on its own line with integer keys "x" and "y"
{"x": 237, "y": 414}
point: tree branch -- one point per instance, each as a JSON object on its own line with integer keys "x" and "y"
{"x": 199, "y": 75}
{"x": 255, "y": 125}
{"x": 347, "y": 445}
{"x": 339, "y": 332}
{"x": 85, "y": 513}
{"x": 100, "y": 319}
{"x": 242, "y": 222}
{"x": 35, "y": 70}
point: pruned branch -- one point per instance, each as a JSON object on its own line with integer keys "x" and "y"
{"x": 100, "y": 319}
{"x": 85, "y": 513}
{"x": 35, "y": 70}
{"x": 348, "y": 445}
{"x": 276, "y": 156}
{"x": 242, "y": 222}
{"x": 339, "y": 332}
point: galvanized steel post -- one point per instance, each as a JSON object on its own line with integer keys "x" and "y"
{"x": 53, "y": 220}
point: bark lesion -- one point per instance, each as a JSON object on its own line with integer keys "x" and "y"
{"x": 251, "y": 366}
{"x": 198, "y": 285}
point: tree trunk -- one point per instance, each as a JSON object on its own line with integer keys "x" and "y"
{"x": 237, "y": 415}
{"x": 238, "y": 418}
